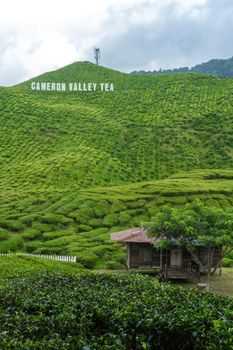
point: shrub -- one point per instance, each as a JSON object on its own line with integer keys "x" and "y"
{"x": 97, "y": 231}
{"x": 28, "y": 219}
{"x": 124, "y": 218}
{"x": 80, "y": 219}
{"x": 31, "y": 234}
{"x": 114, "y": 265}
{"x": 118, "y": 228}
{"x": 43, "y": 227}
{"x": 111, "y": 220}
{"x": 136, "y": 204}
{"x": 60, "y": 310}
{"x": 227, "y": 262}
{"x": 117, "y": 206}
{"x": 87, "y": 259}
{"x": 13, "y": 244}
{"x": 51, "y": 218}
{"x": 32, "y": 246}
{"x": 12, "y": 225}
{"x": 4, "y": 235}
{"x": 84, "y": 228}
{"x": 101, "y": 209}
{"x": 95, "y": 222}
{"x": 140, "y": 220}
{"x": 86, "y": 211}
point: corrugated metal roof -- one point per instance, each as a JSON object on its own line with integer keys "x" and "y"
{"x": 135, "y": 235}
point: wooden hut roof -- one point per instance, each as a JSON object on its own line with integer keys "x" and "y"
{"x": 138, "y": 235}
{"x": 135, "y": 235}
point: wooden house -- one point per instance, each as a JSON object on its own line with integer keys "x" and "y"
{"x": 175, "y": 262}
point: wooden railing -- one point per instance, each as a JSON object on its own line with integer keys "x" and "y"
{"x": 64, "y": 258}
{"x": 181, "y": 271}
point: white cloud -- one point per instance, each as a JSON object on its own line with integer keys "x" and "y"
{"x": 42, "y": 35}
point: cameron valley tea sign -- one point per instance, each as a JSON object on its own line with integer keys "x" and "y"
{"x": 72, "y": 86}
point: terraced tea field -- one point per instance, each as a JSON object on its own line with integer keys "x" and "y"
{"x": 149, "y": 128}
{"x": 77, "y": 165}
{"x": 79, "y": 222}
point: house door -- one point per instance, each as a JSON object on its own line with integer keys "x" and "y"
{"x": 176, "y": 257}
{"x": 145, "y": 255}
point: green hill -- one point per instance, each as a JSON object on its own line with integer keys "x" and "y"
{"x": 216, "y": 67}
{"x": 76, "y": 165}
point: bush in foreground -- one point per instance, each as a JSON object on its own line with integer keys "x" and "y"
{"x": 97, "y": 311}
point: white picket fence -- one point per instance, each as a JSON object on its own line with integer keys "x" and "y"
{"x": 63, "y": 258}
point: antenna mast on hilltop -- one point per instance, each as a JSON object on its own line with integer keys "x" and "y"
{"x": 97, "y": 55}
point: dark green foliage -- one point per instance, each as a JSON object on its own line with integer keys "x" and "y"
{"x": 3, "y": 234}
{"x": 11, "y": 225}
{"x": 96, "y": 311}
{"x": 216, "y": 67}
{"x": 31, "y": 234}
{"x": 195, "y": 222}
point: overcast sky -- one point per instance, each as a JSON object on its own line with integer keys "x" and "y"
{"x": 43, "y": 35}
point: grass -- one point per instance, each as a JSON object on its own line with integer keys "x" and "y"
{"x": 221, "y": 285}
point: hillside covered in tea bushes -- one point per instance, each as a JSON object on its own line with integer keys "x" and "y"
{"x": 149, "y": 128}
{"x": 76, "y": 166}
{"x": 79, "y": 222}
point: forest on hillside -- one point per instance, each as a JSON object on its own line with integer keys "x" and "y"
{"x": 216, "y": 67}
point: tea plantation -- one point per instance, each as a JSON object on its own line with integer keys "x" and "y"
{"x": 79, "y": 222}
{"x": 149, "y": 128}
{"x": 96, "y": 311}
{"x": 76, "y": 166}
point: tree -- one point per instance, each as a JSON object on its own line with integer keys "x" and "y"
{"x": 195, "y": 224}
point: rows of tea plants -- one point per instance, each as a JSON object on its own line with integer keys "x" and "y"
{"x": 98, "y": 311}
{"x": 149, "y": 128}
{"x": 18, "y": 266}
{"x": 79, "y": 223}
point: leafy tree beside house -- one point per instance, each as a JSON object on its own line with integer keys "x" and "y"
{"x": 193, "y": 225}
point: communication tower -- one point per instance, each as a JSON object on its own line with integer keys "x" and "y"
{"x": 97, "y": 55}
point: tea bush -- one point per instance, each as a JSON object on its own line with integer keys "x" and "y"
{"x": 4, "y": 234}
{"x": 98, "y": 311}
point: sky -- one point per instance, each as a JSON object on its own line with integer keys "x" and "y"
{"x": 38, "y": 36}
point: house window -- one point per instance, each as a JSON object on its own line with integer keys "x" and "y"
{"x": 145, "y": 255}
{"x": 176, "y": 257}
